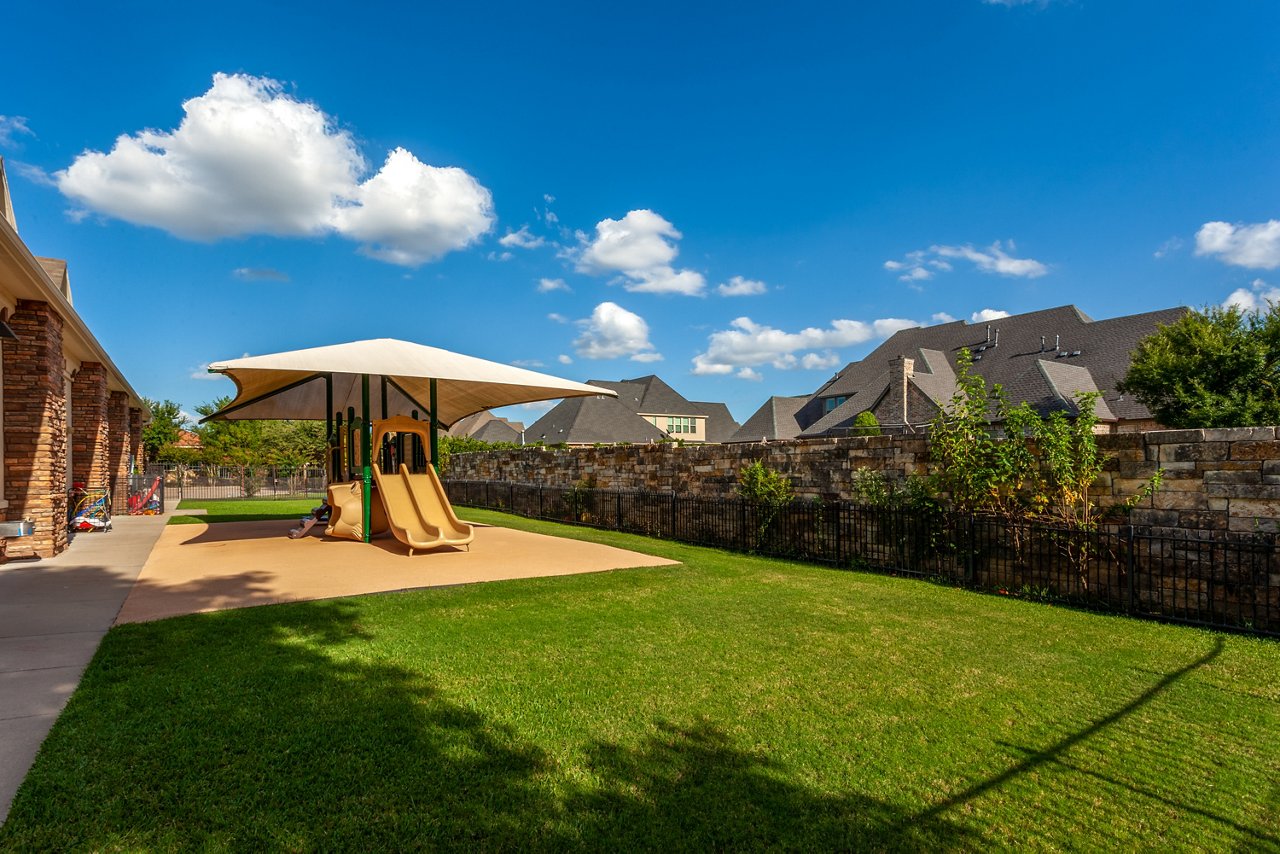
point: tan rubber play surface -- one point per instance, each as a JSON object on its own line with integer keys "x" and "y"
{"x": 196, "y": 568}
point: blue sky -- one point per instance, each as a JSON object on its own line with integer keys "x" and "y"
{"x": 738, "y": 197}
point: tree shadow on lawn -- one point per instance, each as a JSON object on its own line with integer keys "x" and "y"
{"x": 270, "y": 729}
{"x": 689, "y": 787}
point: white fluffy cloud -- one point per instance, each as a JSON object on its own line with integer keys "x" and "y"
{"x": 740, "y": 287}
{"x": 521, "y": 239}
{"x": 612, "y": 332}
{"x": 1256, "y": 297}
{"x": 1254, "y": 246}
{"x": 749, "y": 344}
{"x": 640, "y": 247}
{"x": 819, "y": 361}
{"x": 546, "y": 286}
{"x": 247, "y": 158}
{"x": 987, "y": 314}
{"x": 564, "y": 359}
{"x": 926, "y": 263}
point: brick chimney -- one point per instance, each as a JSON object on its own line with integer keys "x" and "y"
{"x": 901, "y": 372}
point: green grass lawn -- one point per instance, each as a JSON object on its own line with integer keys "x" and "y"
{"x": 730, "y": 703}
{"x": 243, "y": 509}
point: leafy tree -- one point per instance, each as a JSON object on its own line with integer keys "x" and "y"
{"x": 290, "y": 445}
{"x": 1219, "y": 367}
{"x": 237, "y": 443}
{"x": 164, "y": 429}
{"x": 180, "y": 456}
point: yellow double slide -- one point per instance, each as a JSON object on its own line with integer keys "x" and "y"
{"x": 418, "y": 511}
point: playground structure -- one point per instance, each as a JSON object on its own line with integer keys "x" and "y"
{"x": 406, "y": 498}
{"x": 421, "y": 390}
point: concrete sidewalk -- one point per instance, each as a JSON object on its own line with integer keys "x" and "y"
{"x": 53, "y": 614}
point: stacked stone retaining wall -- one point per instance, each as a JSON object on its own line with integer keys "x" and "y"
{"x": 1214, "y": 480}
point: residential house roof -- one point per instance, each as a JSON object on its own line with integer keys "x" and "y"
{"x": 592, "y": 420}
{"x": 720, "y": 422}
{"x": 187, "y": 439}
{"x": 638, "y": 400}
{"x": 478, "y": 426}
{"x": 499, "y": 430}
{"x": 775, "y": 420}
{"x": 649, "y": 395}
{"x": 1042, "y": 357}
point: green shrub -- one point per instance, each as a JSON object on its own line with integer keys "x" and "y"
{"x": 763, "y": 486}
{"x": 865, "y": 424}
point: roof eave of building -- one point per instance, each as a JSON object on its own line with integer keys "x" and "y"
{"x": 34, "y": 283}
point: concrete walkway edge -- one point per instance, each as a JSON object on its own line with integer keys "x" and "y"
{"x": 53, "y": 615}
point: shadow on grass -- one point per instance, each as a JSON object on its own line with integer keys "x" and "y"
{"x": 691, "y": 788}
{"x": 1055, "y": 755}
{"x": 275, "y": 728}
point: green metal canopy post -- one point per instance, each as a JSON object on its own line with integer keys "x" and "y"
{"x": 435, "y": 432}
{"x": 330, "y": 438}
{"x": 366, "y": 440}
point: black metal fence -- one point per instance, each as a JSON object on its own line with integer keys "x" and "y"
{"x": 264, "y": 482}
{"x": 1219, "y": 580}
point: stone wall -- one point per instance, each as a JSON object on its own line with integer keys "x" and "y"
{"x": 119, "y": 449}
{"x": 35, "y": 425}
{"x": 1222, "y": 479}
{"x": 1216, "y": 479}
{"x": 89, "y": 427}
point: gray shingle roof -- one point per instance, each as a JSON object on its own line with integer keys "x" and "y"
{"x": 474, "y": 424}
{"x": 651, "y": 396}
{"x": 775, "y": 420}
{"x": 591, "y": 420}
{"x": 720, "y": 423}
{"x": 499, "y": 430}
{"x": 1008, "y": 351}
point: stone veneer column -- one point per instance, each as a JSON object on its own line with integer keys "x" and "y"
{"x": 35, "y": 425}
{"x": 118, "y": 448}
{"x": 89, "y": 447}
{"x": 135, "y": 440}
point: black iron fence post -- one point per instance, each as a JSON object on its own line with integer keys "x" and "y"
{"x": 839, "y": 523}
{"x": 1130, "y": 565}
{"x": 969, "y": 543}
{"x": 672, "y": 529}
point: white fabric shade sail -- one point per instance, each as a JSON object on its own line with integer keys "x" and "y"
{"x": 314, "y": 383}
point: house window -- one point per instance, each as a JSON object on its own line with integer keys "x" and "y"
{"x": 679, "y": 424}
{"x": 831, "y": 403}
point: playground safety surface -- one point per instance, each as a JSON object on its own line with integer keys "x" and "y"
{"x": 197, "y": 568}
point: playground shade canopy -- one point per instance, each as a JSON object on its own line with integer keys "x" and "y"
{"x": 295, "y": 385}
